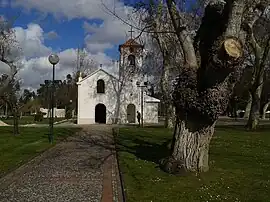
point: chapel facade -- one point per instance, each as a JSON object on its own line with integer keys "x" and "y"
{"x": 103, "y": 97}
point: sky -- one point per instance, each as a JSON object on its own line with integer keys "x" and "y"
{"x": 43, "y": 27}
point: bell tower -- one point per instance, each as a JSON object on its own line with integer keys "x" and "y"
{"x": 131, "y": 56}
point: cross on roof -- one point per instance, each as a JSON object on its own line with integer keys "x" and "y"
{"x": 131, "y": 31}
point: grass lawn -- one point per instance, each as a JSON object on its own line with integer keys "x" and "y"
{"x": 239, "y": 167}
{"x": 29, "y": 120}
{"x": 16, "y": 150}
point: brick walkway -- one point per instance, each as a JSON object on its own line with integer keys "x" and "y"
{"x": 83, "y": 168}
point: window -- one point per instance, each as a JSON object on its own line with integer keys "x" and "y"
{"x": 131, "y": 59}
{"x": 100, "y": 86}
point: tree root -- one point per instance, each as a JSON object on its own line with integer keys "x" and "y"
{"x": 172, "y": 166}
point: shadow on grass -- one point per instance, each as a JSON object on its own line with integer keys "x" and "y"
{"x": 154, "y": 145}
{"x": 240, "y": 128}
{"x": 143, "y": 148}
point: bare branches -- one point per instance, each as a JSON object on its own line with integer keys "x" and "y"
{"x": 183, "y": 36}
{"x": 145, "y": 29}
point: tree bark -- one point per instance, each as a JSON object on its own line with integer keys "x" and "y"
{"x": 190, "y": 150}
{"x": 117, "y": 109}
{"x": 265, "y": 107}
{"x": 254, "y": 114}
{"x": 15, "y": 122}
{"x": 6, "y": 113}
{"x": 248, "y": 107}
{"x": 171, "y": 116}
{"x": 166, "y": 91}
{"x": 199, "y": 101}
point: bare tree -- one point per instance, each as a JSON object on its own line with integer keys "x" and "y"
{"x": 8, "y": 51}
{"x": 127, "y": 71}
{"x": 10, "y": 54}
{"x": 84, "y": 64}
{"x": 212, "y": 64}
{"x": 258, "y": 28}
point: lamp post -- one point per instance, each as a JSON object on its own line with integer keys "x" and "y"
{"x": 53, "y": 59}
{"x": 141, "y": 86}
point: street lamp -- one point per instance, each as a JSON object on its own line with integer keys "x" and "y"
{"x": 53, "y": 59}
{"x": 142, "y": 86}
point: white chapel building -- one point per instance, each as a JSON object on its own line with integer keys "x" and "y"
{"x": 104, "y": 98}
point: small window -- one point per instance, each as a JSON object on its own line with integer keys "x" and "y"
{"x": 131, "y": 49}
{"x": 131, "y": 59}
{"x": 100, "y": 86}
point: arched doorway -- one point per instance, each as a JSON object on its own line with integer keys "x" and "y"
{"x": 131, "y": 113}
{"x": 100, "y": 113}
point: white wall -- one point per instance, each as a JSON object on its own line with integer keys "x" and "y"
{"x": 60, "y": 113}
{"x": 89, "y": 98}
{"x": 151, "y": 112}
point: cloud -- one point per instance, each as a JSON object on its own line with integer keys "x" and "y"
{"x": 99, "y": 37}
{"x": 51, "y": 35}
{"x": 36, "y": 70}
{"x": 35, "y": 66}
{"x": 31, "y": 41}
{"x": 104, "y": 36}
{"x": 3, "y": 3}
{"x": 70, "y": 9}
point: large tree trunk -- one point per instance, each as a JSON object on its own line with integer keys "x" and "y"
{"x": 171, "y": 116}
{"x": 265, "y": 107}
{"x": 248, "y": 107}
{"x": 167, "y": 100}
{"x": 254, "y": 115}
{"x": 190, "y": 150}
{"x": 202, "y": 91}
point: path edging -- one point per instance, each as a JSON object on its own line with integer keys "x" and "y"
{"x": 118, "y": 172}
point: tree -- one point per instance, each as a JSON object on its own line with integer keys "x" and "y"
{"x": 265, "y": 100}
{"x": 11, "y": 97}
{"x": 258, "y": 29}
{"x": 126, "y": 73}
{"x": 8, "y": 51}
{"x": 10, "y": 54}
{"x": 212, "y": 65}
{"x": 84, "y": 66}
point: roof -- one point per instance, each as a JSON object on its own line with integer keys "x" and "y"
{"x": 131, "y": 42}
{"x": 151, "y": 99}
{"x": 93, "y": 73}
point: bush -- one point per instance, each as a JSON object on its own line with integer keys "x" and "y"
{"x": 38, "y": 117}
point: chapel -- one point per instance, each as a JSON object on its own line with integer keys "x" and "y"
{"x": 103, "y": 97}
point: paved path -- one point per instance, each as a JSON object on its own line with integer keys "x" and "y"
{"x": 80, "y": 169}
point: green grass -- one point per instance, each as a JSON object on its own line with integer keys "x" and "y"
{"x": 29, "y": 120}
{"x": 16, "y": 150}
{"x": 239, "y": 167}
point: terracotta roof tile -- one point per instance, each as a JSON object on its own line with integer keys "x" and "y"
{"x": 131, "y": 42}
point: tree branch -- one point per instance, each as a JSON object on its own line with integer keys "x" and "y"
{"x": 142, "y": 30}
{"x": 183, "y": 36}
